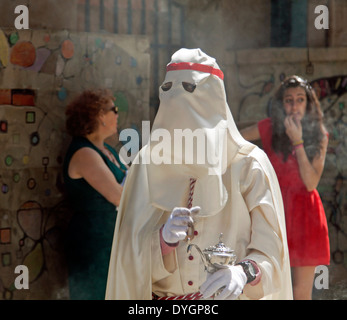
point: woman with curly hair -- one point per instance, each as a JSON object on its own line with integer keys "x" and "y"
{"x": 295, "y": 140}
{"x": 93, "y": 176}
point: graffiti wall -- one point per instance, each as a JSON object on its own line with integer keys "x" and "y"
{"x": 252, "y": 78}
{"x": 40, "y": 72}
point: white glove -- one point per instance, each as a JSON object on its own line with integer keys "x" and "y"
{"x": 176, "y": 226}
{"x": 233, "y": 278}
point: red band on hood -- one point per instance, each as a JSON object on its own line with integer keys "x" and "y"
{"x": 196, "y": 67}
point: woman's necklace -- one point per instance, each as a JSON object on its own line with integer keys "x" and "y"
{"x": 111, "y": 157}
{"x": 107, "y": 153}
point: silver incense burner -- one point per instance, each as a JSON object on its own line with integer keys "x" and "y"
{"x": 215, "y": 257}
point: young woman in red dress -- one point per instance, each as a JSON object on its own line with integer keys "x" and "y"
{"x": 295, "y": 140}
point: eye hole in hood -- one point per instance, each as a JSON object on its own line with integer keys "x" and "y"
{"x": 190, "y": 87}
{"x": 166, "y": 86}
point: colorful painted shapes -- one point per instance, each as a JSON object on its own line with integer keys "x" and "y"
{"x": 25, "y": 159}
{"x": 23, "y": 54}
{"x": 8, "y": 160}
{"x": 42, "y": 55}
{"x": 31, "y": 183}
{"x": 3, "y": 126}
{"x": 13, "y": 38}
{"x": 4, "y": 188}
{"x": 5, "y": 235}
{"x": 326, "y": 87}
{"x": 23, "y": 97}
{"x": 67, "y": 49}
{"x": 30, "y": 117}
{"x": 62, "y": 94}
{"x": 6, "y": 259}
{"x": 34, "y": 261}
{"x": 5, "y": 96}
{"x": 16, "y": 177}
{"x": 4, "y": 49}
{"x": 17, "y": 97}
{"x": 34, "y": 138}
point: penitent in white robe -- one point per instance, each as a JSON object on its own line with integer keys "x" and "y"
{"x": 239, "y": 196}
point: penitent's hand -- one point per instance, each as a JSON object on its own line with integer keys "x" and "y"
{"x": 175, "y": 228}
{"x": 231, "y": 279}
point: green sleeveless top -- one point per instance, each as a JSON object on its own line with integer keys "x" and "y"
{"x": 90, "y": 232}
{"x": 82, "y": 196}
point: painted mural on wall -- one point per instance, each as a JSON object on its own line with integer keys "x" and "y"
{"x": 40, "y": 71}
{"x": 253, "y": 104}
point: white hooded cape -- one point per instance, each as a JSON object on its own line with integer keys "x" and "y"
{"x": 236, "y": 188}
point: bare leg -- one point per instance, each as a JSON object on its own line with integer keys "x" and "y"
{"x": 302, "y": 278}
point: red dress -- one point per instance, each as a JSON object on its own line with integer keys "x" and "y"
{"x": 306, "y": 223}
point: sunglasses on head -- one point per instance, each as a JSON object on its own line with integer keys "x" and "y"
{"x": 294, "y": 82}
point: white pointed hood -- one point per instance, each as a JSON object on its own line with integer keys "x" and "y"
{"x": 193, "y": 135}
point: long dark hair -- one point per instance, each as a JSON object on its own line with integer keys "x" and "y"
{"x": 312, "y": 123}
